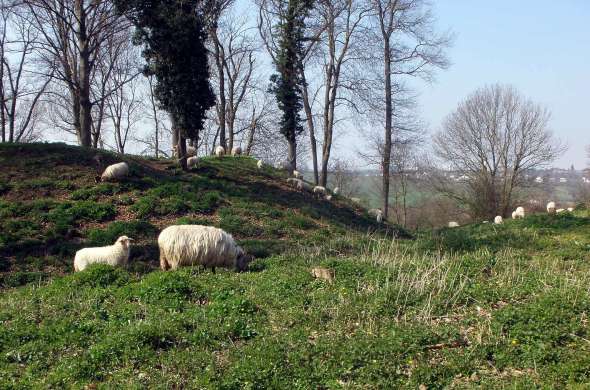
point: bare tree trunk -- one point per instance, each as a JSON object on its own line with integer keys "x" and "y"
{"x": 388, "y": 128}
{"x": 292, "y": 153}
{"x": 221, "y": 93}
{"x": 310, "y": 126}
{"x": 84, "y": 71}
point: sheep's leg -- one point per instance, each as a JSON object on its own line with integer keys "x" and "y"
{"x": 213, "y": 269}
{"x": 164, "y": 266}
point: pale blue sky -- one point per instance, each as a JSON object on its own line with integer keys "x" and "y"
{"x": 542, "y": 47}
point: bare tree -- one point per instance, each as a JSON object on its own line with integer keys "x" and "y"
{"x": 343, "y": 177}
{"x": 72, "y": 33}
{"x": 490, "y": 141}
{"x": 21, "y": 87}
{"x": 400, "y": 42}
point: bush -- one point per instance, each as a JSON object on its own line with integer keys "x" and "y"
{"x": 100, "y": 275}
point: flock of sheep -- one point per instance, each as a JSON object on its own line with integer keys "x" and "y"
{"x": 519, "y": 214}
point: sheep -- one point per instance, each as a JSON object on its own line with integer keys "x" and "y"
{"x": 284, "y": 166}
{"x": 328, "y": 197}
{"x": 558, "y": 211}
{"x": 336, "y": 190}
{"x": 260, "y": 164}
{"x": 498, "y": 220}
{"x": 519, "y": 213}
{"x": 514, "y": 216}
{"x": 297, "y": 175}
{"x": 295, "y": 182}
{"x": 570, "y": 209}
{"x": 191, "y": 151}
{"x": 236, "y": 151}
{"x": 320, "y": 190}
{"x": 185, "y": 245}
{"x": 192, "y": 161}
{"x": 453, "y": 224}
{"x": 115, "y": 255}
{"x": 551, "y": 208}
{"x": 303, "y": 186}
{"x": 115, "y": 172}
{"x": 377, "y": 213}
{"x": 219, "y": 151}
{"x": 356, "y": 200}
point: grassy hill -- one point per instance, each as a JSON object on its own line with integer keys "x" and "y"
{"x": 481, "y": 305}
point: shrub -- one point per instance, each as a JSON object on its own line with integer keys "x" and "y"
{"x": 100, "y": 275}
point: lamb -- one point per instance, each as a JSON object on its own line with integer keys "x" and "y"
{"x": 336, "y": 190}
{"x": 498, "y": 220}
{"x": 186, "y": 245}
{"x": 453, "y": 224}
{"x": 320, "y": 190}
{"x": 570, "y": 209}
{"x": 328, "y": 197}
{"x": 115, "y": 255}
{"x": 297, "y": 175}
{"x": 236, "y": 151}
{"x": 518, "y": 213}
{"x": 115, "y": 172}
{"x": 259, "y": 164}
{"x": 551, "y": 207}
{"x": 192, "y": 161}
{"x": 219, "y": 151}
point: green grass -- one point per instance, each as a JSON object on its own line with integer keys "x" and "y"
{"x": 477, "y": 306}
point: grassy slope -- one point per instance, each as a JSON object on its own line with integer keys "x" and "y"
{"x": 481, "y": 305}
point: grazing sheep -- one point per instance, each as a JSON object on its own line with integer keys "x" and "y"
{"x": 514, "y": 216}
{"x": 336, "y": 190}
{"x": 328, "y": 197}
{"x": 192, "y": 161}
{"x": 551, "y": 207}
{"x": 570, "y": 209}
{"x": 297, "y": 175}
{"x": 303, "y": 186}
{"x": 453, "y": 224}
{"x": 115, "y": 172}
{"x": 259, "y": 164}
{"x": 324, "y": 274}
{"x": 558, "y": 211}
{"x": 519, "y": 212}
{"x": 185, "y": 245}
{"x": 498, "y": 220}
{"x": 115, "y": 255}
{"x": 295, "y": 182}
{"x": 284, "y": 166}
{"x": 236, "y": 151}
{"x": 486, "y": 222}
{"x": 355, "y": 200}
{"x": 191, "y": 151}
{"x": 320, "y": 190}
{"x": 219, "y": 151}
{"x": 377, "y": 213}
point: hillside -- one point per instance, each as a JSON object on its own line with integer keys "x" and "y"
{"x": 50, "y": 206}
{"x": 478, "y": 306}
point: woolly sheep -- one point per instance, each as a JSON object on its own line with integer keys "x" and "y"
{"x": 453, "y": 224}
{"x": 377, "y": 213}
{"x": 236, "y": 151}
{"x": 498, "y": 220}
{"x": 336, "y": 190}
{"x": 297, "y": 175}
{"x": 514, "y": 216}
{"x": 328, "y": 197}
{"x": 192, "y": 161}
{"x": 115, "y": 255}
{"x": 185, "y": 245}
{"x": 191, "y": 151}
{"x": 259, "y": 164}
{"x": 560, "y": 211}
{"x": 219, "y": 151}
{"x": 519, "y": 212}
{"x": 570, "y": 209}
{"x": 551, "y": 207}
{"x": 115, "y": 172}
{"x": 303, "y": 186}
{"x": 320, "y": 190}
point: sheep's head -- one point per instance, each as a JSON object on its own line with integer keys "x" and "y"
{"x": 125, "y": 241}
{"x": 243, "y": 260}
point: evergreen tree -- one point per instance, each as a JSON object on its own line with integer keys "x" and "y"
{"x": 286, "y": 84}
{"x": 173, "y": 35}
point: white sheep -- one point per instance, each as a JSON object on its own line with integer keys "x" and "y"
{"x": 570, "y": 209}
{"x": 551, "y": 207}
{"x": 115, "y": 255}
{"x": 558, "y": 211}
{"x": 219, "y": 151}
{"x": 336, "y": 190}
{"x": 115, "y": 172}
{"x": 328, "y": 197}
{"x": 498, "y": 220}
{"x": 260, "y": 164}
{"x": 518, "y": 213}
{"x": 453, "y": 224}
{"x": 192, "y": 161}
{"x": 297, "y": 175}
{"x": 191, "y": 151}
{"x": 303, "y": 186}
{"x": 236, "y": 151}
{"x": 377, "y": 213}
{"x": 186, "y": 245}
{"x": 295, "y": 182}
{"x": 320, "y": 190}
